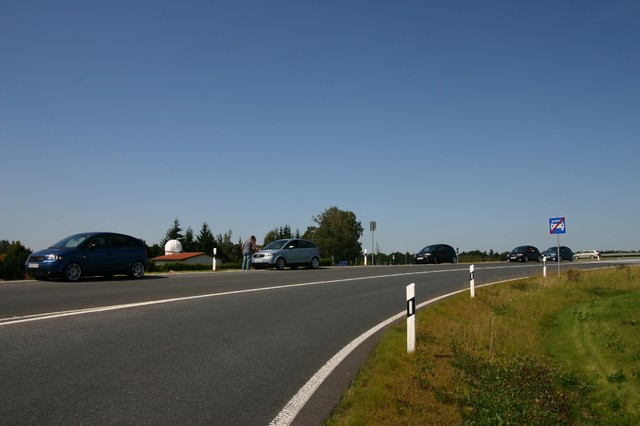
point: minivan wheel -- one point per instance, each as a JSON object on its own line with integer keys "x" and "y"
{"x": 435, "y": 260}
{"x": 137, "y": 269}
{"x": 315, "y": 263}
{"x": 280, "y": 264}
{"x": 72, "y": 271}
{"x": 526, "y": 259}
{"x": 454, "y": 259}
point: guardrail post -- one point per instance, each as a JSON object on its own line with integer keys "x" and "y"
{"x": 411, "y": 318}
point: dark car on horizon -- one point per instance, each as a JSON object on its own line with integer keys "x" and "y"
{"x": 436, "y": 253}
{"x": 552, "y": 253}
{"x": 524, "y": 254}
{"x": 89, "y": 254}
{"x": 291, "y": 252}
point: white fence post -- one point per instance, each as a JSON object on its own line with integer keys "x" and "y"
{"x": 411, "y": 318}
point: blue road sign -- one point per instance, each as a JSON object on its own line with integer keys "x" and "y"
{"x": 557, "y": 225}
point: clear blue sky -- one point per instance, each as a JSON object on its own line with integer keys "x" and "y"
{"x": 464, "y": 122}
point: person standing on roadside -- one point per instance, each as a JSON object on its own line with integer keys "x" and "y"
{"x": 248, "y": 248}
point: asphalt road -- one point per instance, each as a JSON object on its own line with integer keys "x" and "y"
{"x": 210, "y": 348}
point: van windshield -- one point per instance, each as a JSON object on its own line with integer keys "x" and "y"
{"x": 71, "y": 242}
{"x": 275, "y": 245}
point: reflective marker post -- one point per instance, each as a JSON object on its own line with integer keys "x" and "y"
{"x": 472, "y": 281}
{"x": 411, "y": 318}
{"x": 215, "y": 250}
{"x": 544, "y": 266}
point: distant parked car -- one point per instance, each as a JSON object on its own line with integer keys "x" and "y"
{"x": 292, "y": 252}
{"x": 90, "y": 253}
{"x": 524, "y": 254}
{"x": 586, "y": 254}
{"x": 552, "y": 253}
{"x": 436, "y": 253}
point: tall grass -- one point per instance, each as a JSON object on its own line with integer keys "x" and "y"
{"x": 539, "y": 351}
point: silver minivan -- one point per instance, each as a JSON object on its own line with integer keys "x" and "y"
{"x": 292, "y": 252}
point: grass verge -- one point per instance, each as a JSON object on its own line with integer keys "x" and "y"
{"x": 539, "y": 351}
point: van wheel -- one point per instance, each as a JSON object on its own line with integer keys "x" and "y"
{"x": 137, "y": 269}
{"x": 315, "y": 263}
{"x": 454, "y": 259}
{"x": 72, "y": 272}
{"x": 280, "y": 264}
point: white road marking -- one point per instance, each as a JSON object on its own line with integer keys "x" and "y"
{"x": 295, "y": 404}
{"x": 61, "y": 314}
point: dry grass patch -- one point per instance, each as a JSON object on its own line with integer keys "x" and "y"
{"x": 491, "y": 360}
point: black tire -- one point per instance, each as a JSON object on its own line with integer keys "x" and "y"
{"x": 526, "y": 259}
{"x": 315, "y": 263}
{"x": 539, "y": 259}
{"x": 137, "y": 270}
{"x": 435, "y": 260}
{"x": 454, "y": 259}
{"x": 72, "y": 272}
{"x": 281, "y": 264}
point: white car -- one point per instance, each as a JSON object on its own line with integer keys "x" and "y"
{"x": 587, "y": 254}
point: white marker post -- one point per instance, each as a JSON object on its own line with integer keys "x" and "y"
{"x": 472, "y": 281}
{"x": 411, "y": 318}
{"x": 215, "y": 250}
{"x": 544, "y": 266}
{"x": 365, "y": 257}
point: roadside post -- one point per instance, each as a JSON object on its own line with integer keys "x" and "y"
{"x": 544, "y": 266}
{"x": 215, "y": 250}
{"x": 372, "y": 228}
{"x": 558, "y": 226}
{"x": 472, "y": 280}
{"x": 411, "y": 318}
{"x": 365, "y": 257}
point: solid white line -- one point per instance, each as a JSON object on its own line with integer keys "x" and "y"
{"x": 61, "y": 314}
{"x": 295, "y": 404}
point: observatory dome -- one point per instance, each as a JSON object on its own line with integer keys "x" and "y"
{"x": 172, "y": 247}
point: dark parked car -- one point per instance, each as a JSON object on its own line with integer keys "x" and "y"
{"x": 292, "y": 252}
{"x": 90, "y": 253}
{"x": 436, "y": 253}
{"x": 524, "y": 254}
{"x": 552, "y": 253}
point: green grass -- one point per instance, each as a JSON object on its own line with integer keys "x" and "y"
{"x": 554, "y": 351}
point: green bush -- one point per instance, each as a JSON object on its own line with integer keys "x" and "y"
{"x": 12, "y": 263}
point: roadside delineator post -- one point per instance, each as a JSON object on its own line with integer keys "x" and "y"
{"x": 472, "y": 281}
{"x": 544, "y": 266}
{"x": 215, "y": 250}
{"x": 411, "y": 318}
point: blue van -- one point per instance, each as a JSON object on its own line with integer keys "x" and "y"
{"x": 87, "y": 254}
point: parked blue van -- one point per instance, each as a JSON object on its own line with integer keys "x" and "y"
{"x": 87, "y": 254}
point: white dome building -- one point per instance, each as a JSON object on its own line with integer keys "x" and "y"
{"x": 172, "y": 247}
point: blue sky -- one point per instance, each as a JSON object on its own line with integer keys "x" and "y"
{"x": 464, "y": 122}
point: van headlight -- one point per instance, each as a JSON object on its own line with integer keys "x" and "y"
{"x": 52, "y": 257}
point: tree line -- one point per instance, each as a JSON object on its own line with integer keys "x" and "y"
{"x": 336, "y": 231}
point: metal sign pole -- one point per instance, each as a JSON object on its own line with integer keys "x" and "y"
{"x": 559, "y": 257}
